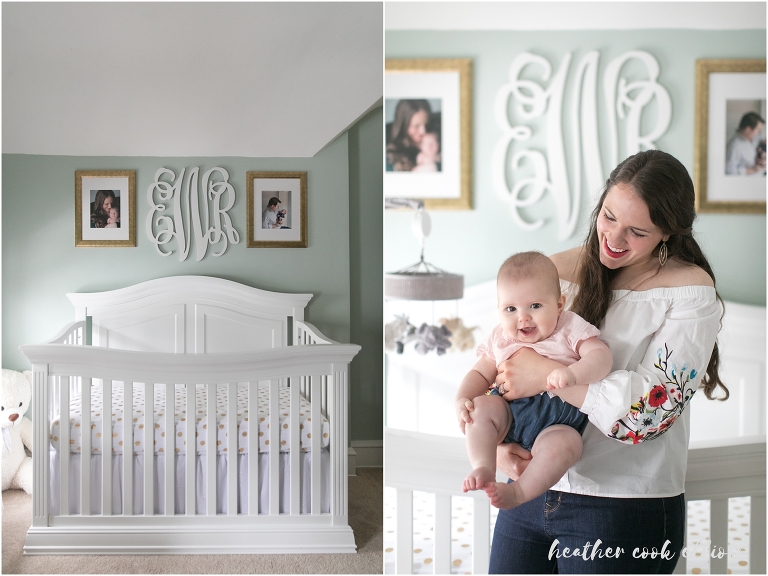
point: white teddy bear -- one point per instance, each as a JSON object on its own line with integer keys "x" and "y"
{"x": 16, "y": 430}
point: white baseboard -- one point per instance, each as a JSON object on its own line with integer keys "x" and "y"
{"x": 365, "y": 454}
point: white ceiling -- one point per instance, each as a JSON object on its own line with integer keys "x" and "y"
{"x": 538, "y": 15}
{"x": 187, "y": 79}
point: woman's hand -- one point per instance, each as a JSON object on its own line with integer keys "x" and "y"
{"x": 512, "y": 459}
{"x": 463, "y": 407}
{"x": 525, "y": 374}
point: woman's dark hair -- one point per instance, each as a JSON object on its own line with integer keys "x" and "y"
{"x": 98, "y": 216}
{"x": 666, "y": 188}
{"x": 401, "y": 150}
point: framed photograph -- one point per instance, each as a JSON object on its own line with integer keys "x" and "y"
{"x": 729, "y": 167}
{"x": 105, "y": 208}
{"x": 277, "y": 209}
{"x": 428, "y": 115}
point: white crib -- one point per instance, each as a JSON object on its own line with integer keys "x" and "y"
{"x": 724, "y": 462}
{"x": 223, "y": 351}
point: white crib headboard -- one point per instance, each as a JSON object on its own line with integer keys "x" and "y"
{"x": 190, "y": 314}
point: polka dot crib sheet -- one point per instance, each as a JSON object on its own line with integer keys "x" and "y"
{"x": 180, "y": 417}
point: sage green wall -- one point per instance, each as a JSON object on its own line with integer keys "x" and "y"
{"x": 367, "y": 294}
{"x": 40, "y": 263}
{"x": 476, "y": 242}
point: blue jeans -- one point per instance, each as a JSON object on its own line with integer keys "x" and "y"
{"x": 524, "y": 537}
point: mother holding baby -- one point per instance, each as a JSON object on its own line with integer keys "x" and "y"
{"x": 642, "y": 278}
{"x": 407, "y": 131}
{"x": 104, "y": 201}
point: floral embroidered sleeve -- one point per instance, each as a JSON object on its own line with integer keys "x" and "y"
{"x": 640, "y": 404}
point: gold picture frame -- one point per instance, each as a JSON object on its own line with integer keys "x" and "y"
{"x": 444, "y": 182}
{"x": 271, "y": 230}
{"x": 115, "y": 189}
{"x": 718, "y": 97}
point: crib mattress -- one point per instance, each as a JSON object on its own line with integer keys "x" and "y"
{"x": 180, "y": 417}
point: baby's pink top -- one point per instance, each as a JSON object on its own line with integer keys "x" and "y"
{"x": 560, "y": 345}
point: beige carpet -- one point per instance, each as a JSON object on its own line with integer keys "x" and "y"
{"x": 365, "y": 516}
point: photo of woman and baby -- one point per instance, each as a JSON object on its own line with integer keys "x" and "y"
{"x": 413, "y": 135}
{"x": 105, "y": 209}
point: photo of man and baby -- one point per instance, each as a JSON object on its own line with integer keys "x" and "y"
{"x": 745, "y": 151}
{"x": 276, "y": 210}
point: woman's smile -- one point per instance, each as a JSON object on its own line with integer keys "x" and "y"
{"x": 613, "y": 252}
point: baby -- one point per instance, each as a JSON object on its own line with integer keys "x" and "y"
{"x": 429, "y": 154}
{"x": 114, "y": 218}
{"x": 531, "y": 313}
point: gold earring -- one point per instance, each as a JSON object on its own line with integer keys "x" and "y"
{"x": 663, "y": 254}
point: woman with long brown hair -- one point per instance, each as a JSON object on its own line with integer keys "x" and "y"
{"x": 642, "y": 278}
{"x": 408, "y": 128}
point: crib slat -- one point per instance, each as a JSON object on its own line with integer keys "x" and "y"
{"x": 212, "y": 430}
{"x": 106, "y": 449}
{"x": 64, "y": 446}
{"x": 315, "y": 436}
{"x": 191, "y": 449}
{"x": 337, "y": 417}
{"x": 336, "y": 482}
{"x": 128, "y": 448}
{"x": 757, "y": 534}
{"x": 324, "y": 394}
{"x": 85, "y": 451}
{"x": 442, "y": 534}
{"x": 169, "y": 410}
{"x": 481, "y": 538}
{"x": 295, "y": 448}
{"x": 253, "y": 448}
{"x": 149, "y": 448}
{"x": 404, "y": 532}
{"x": 274, "y": 447}
{"x": 232, "y": 438}
{"x": 342, "y": 416}
{"x": 718, "y": 529}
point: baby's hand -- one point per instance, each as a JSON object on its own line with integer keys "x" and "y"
{"x": 560, "y": 378}
{"x": 463, "y": 407}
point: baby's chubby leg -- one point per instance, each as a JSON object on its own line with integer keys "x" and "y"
{"x": 556, "y": 449}
{"x": 491, "y": 419}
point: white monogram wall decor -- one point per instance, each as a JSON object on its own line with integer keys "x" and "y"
{"x": 624, "y": 99}
{"x": 185, "y": 222}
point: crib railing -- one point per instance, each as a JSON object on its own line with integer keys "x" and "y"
{"x": 74, "y": 335}
{"x": 437, "y": 464}
{"x": 61, "y": 370}
{"x": 718, "y": 471}
{"x": 305, "y": 334}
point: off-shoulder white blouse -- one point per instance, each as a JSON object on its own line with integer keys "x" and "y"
{"x": 661, "y": 340}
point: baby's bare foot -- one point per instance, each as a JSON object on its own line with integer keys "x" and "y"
{"x": 503, "y": 496}
{"x": 479, "y": 478}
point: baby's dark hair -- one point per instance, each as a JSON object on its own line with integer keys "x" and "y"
{"x": 529, "y": 265}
